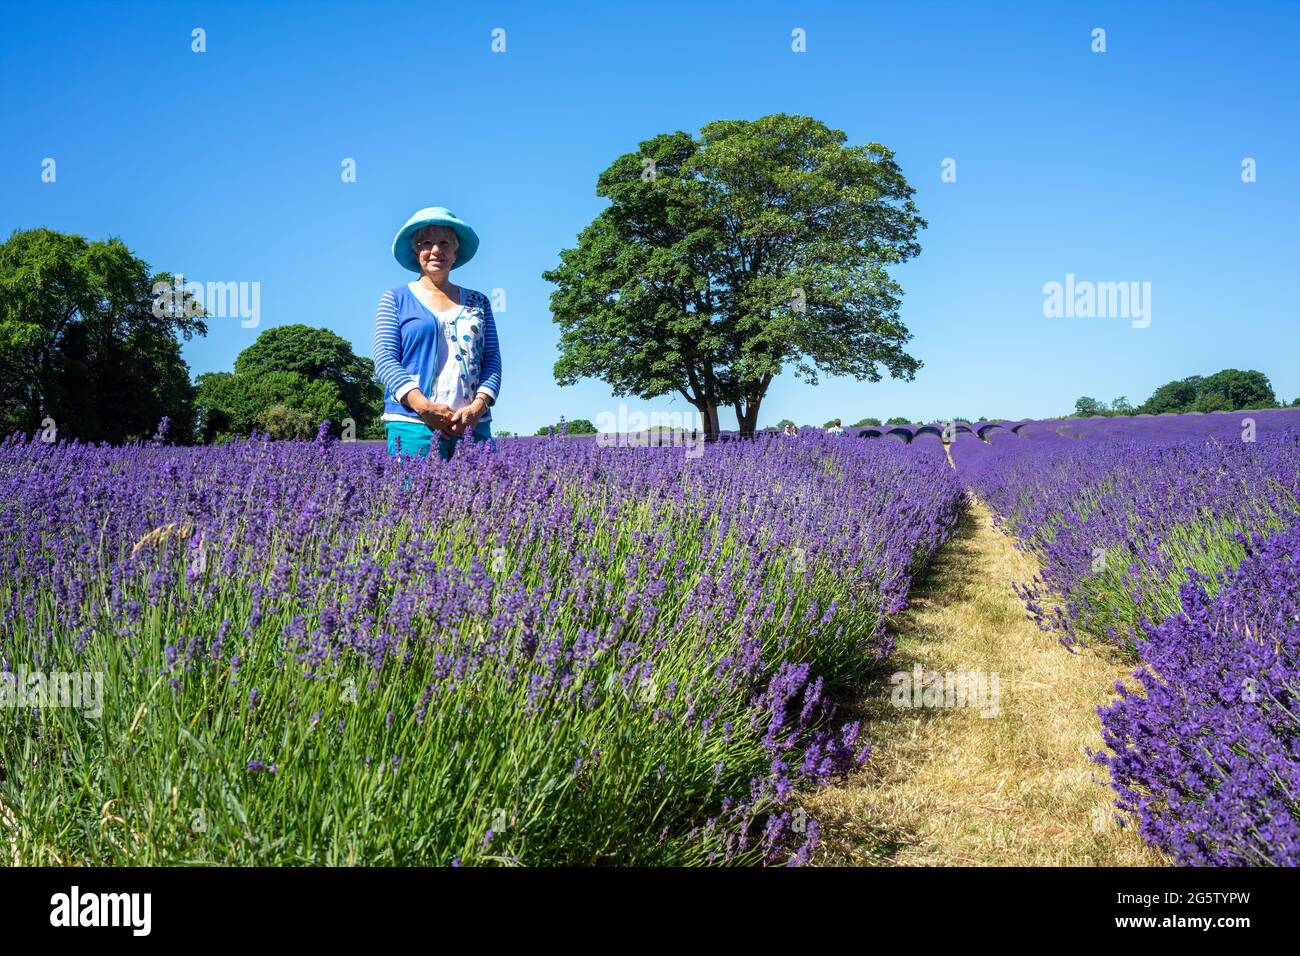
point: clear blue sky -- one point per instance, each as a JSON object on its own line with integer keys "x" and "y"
{"x": 1115, "y": 166}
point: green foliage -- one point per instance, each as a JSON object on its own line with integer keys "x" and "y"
{"x": 866, "y": 421}
{"x": 1087, "y": 407}
{"x": 898, "y": 421}
{"x": 318, "y": 355}
{"x": 80, "y": 341}
{"x": 1227, "y": 390}
{"x": 1212, "y": 402}
{"x": 1179, "y": 396}
{"x": 281, "y": 421}
{"x": 1121, "y": 406}
{"x": 579, "y": 426}
{"x": 286, "y": 383}
{"x": 1250, "y": 389}
{"x": 763, "y": 243}
{"x": 232, "y": 404}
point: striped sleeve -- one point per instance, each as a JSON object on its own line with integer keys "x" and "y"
{"x": 490, "y": 380}
{"x": 388, "y": 350}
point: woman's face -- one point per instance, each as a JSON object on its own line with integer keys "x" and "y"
{"x": 435, "y": 250}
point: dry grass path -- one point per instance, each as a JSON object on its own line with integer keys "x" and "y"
{"x": 944, "y": 785}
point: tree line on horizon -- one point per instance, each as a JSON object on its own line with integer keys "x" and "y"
{"x": 83, "y": 344}
{"x": 1227, "y": 390}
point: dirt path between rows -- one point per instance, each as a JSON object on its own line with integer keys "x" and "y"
{"x": 947, "y": 786}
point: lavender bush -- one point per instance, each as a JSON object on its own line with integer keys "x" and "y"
{"x": 1178, "y": 539}
{"x": 1208, "y": 756}
{"x": 559, "y": 653}
{"x": 1120, "y": 515}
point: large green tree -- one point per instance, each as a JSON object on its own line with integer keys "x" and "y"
{"x": 82, "y": 343}
{"x": 1228, "y": 390}
{"x": 1248, "y": 389}
{"x": 318, "y": 355}
{"x": 286, "y": 383}
{"x": 233, "y": 404}
{"x": 723, "y": 260}
{"x": 1087, "y": 407}
{"x": 1179, "y": 396}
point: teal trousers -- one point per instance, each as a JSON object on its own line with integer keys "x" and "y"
{"x": 417, "y": 438}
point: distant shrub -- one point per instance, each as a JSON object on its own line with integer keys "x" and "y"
{"x": 281, "y": 421}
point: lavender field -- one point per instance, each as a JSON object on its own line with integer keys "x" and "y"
{"x": 563, "y": 653}
{"x": 1176, "y": 539}
{"x": 558, "y": 653}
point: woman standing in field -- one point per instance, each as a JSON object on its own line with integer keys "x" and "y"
{"x": 435, "y": 346}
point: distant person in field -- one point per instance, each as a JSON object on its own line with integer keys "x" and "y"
{"x": 435, "y": 346}
{"x": 836, "y": 428}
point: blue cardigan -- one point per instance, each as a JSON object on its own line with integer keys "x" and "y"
{"x": 410, "y": 349}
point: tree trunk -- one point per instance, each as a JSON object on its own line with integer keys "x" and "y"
{"x": 747, "y": 416}
{"x": 709, "y": 415}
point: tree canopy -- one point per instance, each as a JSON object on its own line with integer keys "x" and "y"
{"x": 719, "y": 262}
{"x": 233, "y": 404}
{"x": 1228, "y": 390}
{"x": 81, "y": 342}
{"x": 1087, "y": 407}
{"x": 286, "y": 383}
{"x": 1177, "y": 396}
{"x": 1232, "y": 389}
{"x": 318, "y": 355}
{"x": 579, "y": 426}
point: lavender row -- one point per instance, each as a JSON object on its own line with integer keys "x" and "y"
{"x": 1208, "y": 755}
{"x": 555, "y": 653}
{"x": 1178, "y": 539}
{"x": 1118, "y": 511}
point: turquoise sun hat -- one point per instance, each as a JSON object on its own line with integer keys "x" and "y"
{"x": 434, "y": 216}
